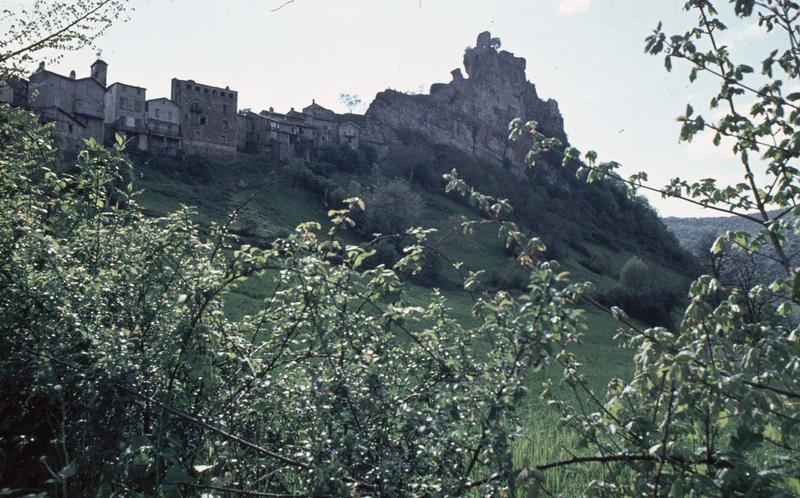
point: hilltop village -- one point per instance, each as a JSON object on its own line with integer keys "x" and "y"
{"x": 471, "y": 113}
{"x": 196, "y": 119}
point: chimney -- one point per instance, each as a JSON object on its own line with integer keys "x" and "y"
{"x": 41, "y": 66}
{"x": 271, "y": 109}
{"x": 72, "y": 74}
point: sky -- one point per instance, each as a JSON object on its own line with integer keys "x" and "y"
{"x": 586, "y": 54}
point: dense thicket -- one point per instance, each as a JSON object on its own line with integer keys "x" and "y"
{"x": 121, "y": 374}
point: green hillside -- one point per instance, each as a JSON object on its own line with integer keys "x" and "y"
{"x": 590, "y": 240}
{"x": 277, "y": 197}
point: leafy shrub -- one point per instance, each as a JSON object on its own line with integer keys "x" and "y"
{"x": 644, "y": 294}
{"x": 122, "y": 375}
{"x": 392, "y": 206}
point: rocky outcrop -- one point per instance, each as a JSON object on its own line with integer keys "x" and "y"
{"x": 470, "y": 113}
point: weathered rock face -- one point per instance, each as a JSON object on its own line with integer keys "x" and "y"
{"x": 472, "y": 113}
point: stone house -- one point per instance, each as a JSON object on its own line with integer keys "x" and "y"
{"x": 253, "y": 133}
{"x": 208, "y": 117}
{"x": 283, "y": 136}
{"x": 349, "y": 127}
{"x": 14, "y": 91}
{"x": 75, "y": 105}
{"x": 324, "y": 120}
{"x": 332, "y": 128}
{"x": 125, "y": 114}
{"x": 163, "y": 122}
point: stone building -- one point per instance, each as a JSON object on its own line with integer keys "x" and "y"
{"x": 331, "y": 128}
{"x": 254, "y": 135}
{"x": 75, "y": 105}
{"x": 349, "y": 127}
{"x": 163, "y": 118}
{"x": 324, "y": 120}
{"x": 208, "y": 117}
{"x": 281, "y": 135}
{"x": 14, "y": 91}
{"x": 125, "y": 114}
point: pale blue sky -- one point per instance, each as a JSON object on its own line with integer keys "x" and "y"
{"x": 587, "y": 54}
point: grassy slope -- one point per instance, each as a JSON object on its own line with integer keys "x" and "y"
{"x": 215, "y": 189}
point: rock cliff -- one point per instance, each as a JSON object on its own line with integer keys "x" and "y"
{"x": 469, "y": 113}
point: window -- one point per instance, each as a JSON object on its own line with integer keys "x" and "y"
{"x": 57, "y": 100}
{"x": 138, "y": 105}
{"x": 225, "y": 124}
{"x": 224, "y": 108}
{"x": 224, "y": 137}
{"x": 123, "y": 102}
{"x": 169, "y": 115}
{"x": 203, "y": 120}
{"x": 158, "y": 113}
{"x": 138, "y": 91}
{"x": 188, "y": 86}
{"x": 205, "y": 90}
{"x": 69, "y": 126}
{"x": 213, "y": 92}
{"x": 197, "y": 89}
{"x": 124, "y": 89}
{"x": 138, "y": 123}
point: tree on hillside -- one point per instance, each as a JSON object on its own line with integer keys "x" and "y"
{"x": 635, "y": 275}
{"x": 393, "y": 206}
{"x": 350, "y": 100}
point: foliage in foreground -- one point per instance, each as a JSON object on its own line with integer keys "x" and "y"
{"x": 121, "y": 374}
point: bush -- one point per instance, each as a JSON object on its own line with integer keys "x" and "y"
{"x": 644, "y": 294}
{"x": 392, "y": 206}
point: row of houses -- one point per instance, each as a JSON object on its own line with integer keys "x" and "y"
{"x": 196, "y": 119}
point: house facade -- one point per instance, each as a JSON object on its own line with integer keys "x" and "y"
{"x": 14, "y": 91}
{"x": 163, "y": 126}
{"x": 125, "y": 114}
{"x": 196, "y": 119}
{"x": 333, "y": 128}
{"x": 75, "y": 105}
{"x": 324, "y": 120}
{"x": 208, "y": 117}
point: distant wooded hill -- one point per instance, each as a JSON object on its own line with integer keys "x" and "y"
{"x": 694, "y": 235}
